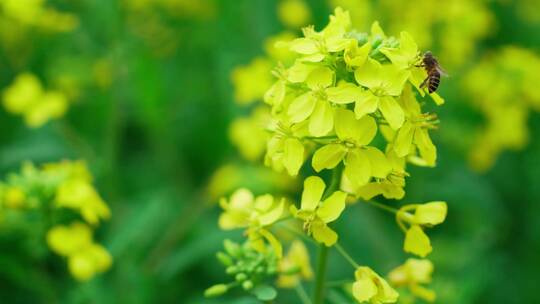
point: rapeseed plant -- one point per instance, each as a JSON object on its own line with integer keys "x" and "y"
{"x": 327, "y": 106}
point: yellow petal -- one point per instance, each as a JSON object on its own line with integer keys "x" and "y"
{"x": 368, "y": 75}
{"x": 359, "y": 131}
{"x": 423, "y": 293}
{"x": 321, "y": 77}
{"x": 364, "y": 289}
{"x": 392, "y": 112}
{"x": 357, "y": 168}
{"x": 275, "y": 95}
{"x": 394, "y": 79}
{"x": 301, "y": 107}
{"x": 328, "y": 156}
{"x": 431, "y": 213}
{"x": 344, "y": 93}
{"x": 323, "y": 234}
{"x": 272, "y": 215}
{"x": 417, "y": 242}
{"x": 367, "y": 104}
{"x": 322, "y": 119}
{"x": 273, "y": 241}
{"x": 376, "y": 30}
{"x": 332, "y": 207}
{"x": 299, "y": 72}
{"x": 304, "y": 46}
{"x": 293, "y": 155}
{"x": 404, "y": 139}
{"x": 380, "y": 167}
{"x": 356, "y": 56}
{"x": 312, "y": 194}
{"x": 427, "y": 149}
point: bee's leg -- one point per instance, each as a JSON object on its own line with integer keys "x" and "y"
{"x": 423, "y": 84}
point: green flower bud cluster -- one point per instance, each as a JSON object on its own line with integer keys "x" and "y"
{"x": 249, "y": 268}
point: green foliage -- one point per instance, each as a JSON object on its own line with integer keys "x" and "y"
{"x": 150, "y": 100}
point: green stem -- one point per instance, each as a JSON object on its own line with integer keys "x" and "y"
{"x": 302, "y": 294}
{"x": 346, "y": 256}
{"x": 382, "y": 206}
{"x": 318, "y": 295}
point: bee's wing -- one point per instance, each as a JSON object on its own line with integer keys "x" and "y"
{"x": 441, "y": 71}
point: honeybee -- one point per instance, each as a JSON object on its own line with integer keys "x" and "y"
{"x": 434, "y": 71}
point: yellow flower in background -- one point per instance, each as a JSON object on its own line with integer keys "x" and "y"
{"x": 294, "y": 13}
{"x": 75, "y": 190}
{"x": 424, "y": 18}
{"x": 257, "y": 214}
{"x": 34, "y": 13}
{"x": 85, "y": 258}
{"x": 294, "y": 266}
{"x": 425, "y": 215}
{"x": 370, "y": 287}
{"x": 80, "y": 195}
{"x": 249, "y": 134}
{"x": 316, "y": 214}
{"x": 27, "y": 97}
{"x": 13, "y": 197}
{"x": 276, "y": 47}
{"x": 251, "y": 81}
{"x": 505, "y": 106}
{"x": 412, "y": 274}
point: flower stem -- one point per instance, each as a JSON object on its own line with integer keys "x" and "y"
{"x": 318, "y": 294}
{"x": 302, "y": 294}
{"x": 346, "y": 256}
{"x": 382, "y": 206}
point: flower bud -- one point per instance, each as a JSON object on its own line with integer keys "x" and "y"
{"x": 216, "y": 290}
{"x": 247, "y": 285}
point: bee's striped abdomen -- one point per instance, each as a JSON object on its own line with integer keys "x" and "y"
{"x": 434, "y": 80}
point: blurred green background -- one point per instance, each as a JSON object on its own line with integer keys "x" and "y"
{"x": 150, "y": 101}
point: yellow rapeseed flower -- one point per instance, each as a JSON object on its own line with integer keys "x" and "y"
{"x": 370, "y": 287}
{"x": 412, "y": 274}
{"x": 256, "y": 214}
{"x": 85, "y": 258}
{"x": 425, "y": 215}
{"x": 27, "y": 97}
{"x": 316, "y": 214}
{"x": 294, "y": 266}
{"x": 294, "y": 13}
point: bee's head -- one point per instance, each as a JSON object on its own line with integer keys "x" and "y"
{"x": 428, "y": 54}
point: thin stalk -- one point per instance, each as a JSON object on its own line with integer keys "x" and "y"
{"x": 346, "y": 256}
{"x": 318, "y": 293}
{"x": 302, "y": 294}
{"x": 382, "y": 206}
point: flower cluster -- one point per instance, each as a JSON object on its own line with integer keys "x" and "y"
{"x": 503, "y": 87}
{"x": 350, "y": 103}
{"x": 57, "y": 193}
{"x": 34, "y": 13}
{"x": 27, "y": 97}
{"x": 85, "y": 258}
{"x": 432, "y": 23}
